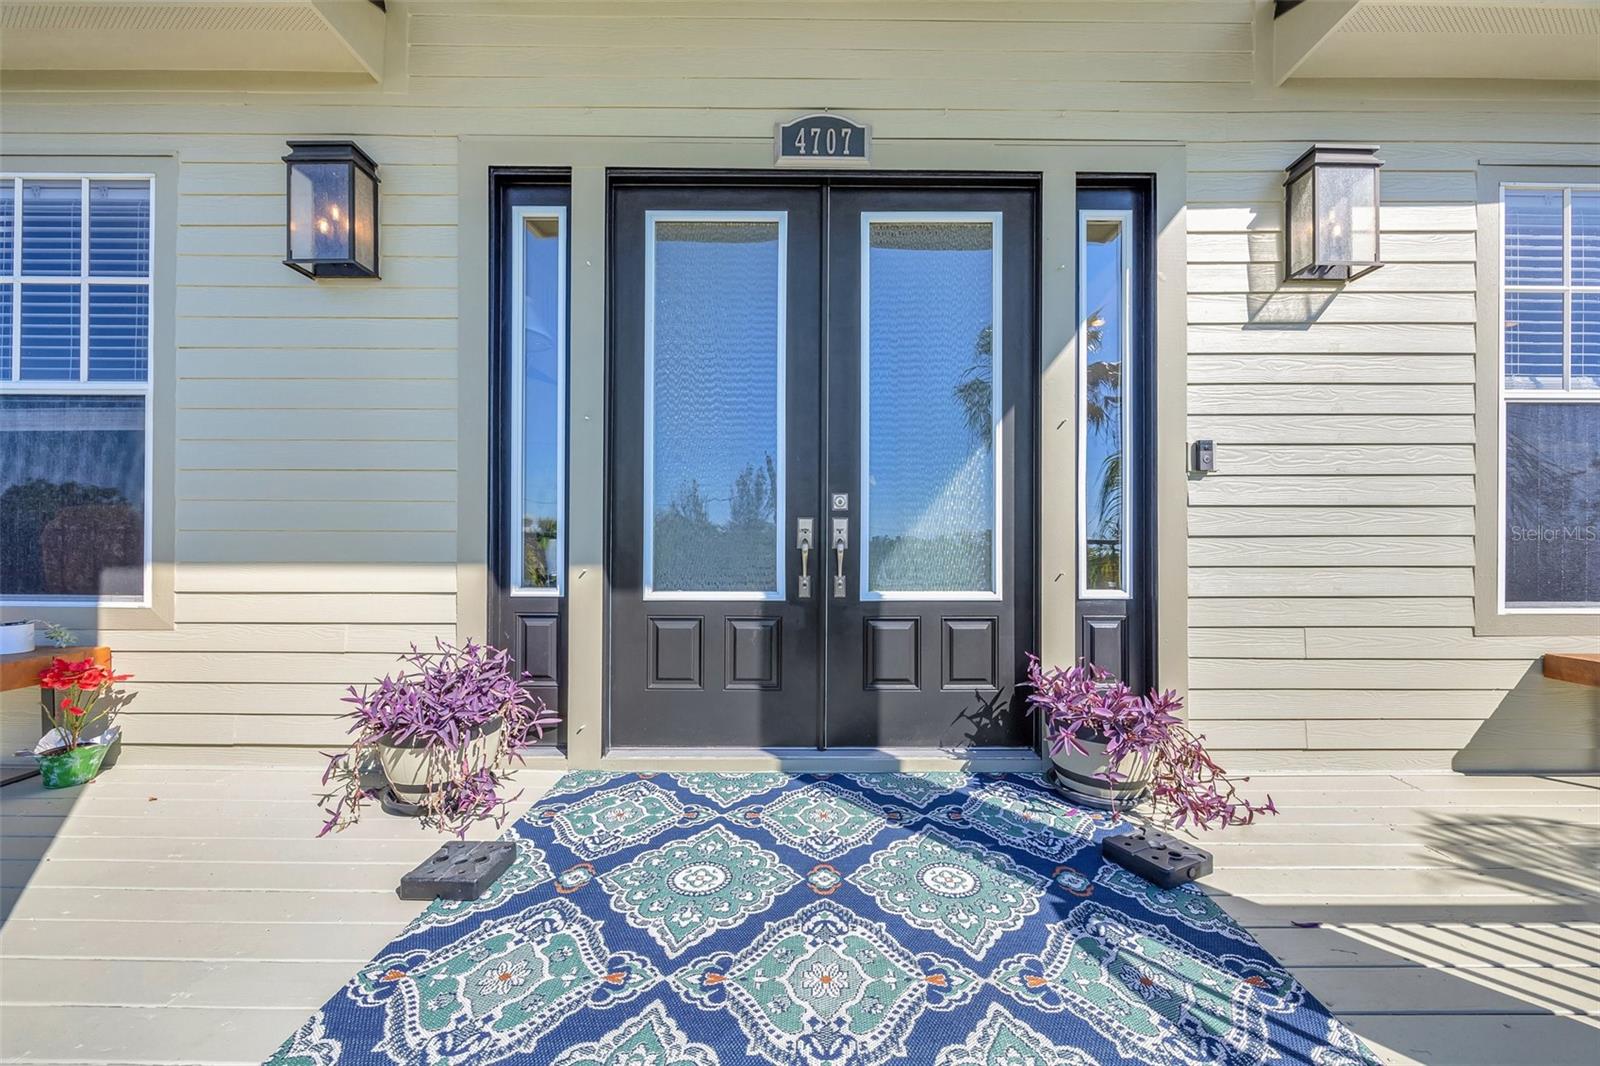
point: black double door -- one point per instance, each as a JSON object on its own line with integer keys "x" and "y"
{"x": 822, "y": 512}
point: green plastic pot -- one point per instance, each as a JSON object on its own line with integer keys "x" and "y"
{"x": 68, "y": 768}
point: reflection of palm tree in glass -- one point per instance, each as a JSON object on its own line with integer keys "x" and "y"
{"x": 1102, "y": 409}
{"x": 974, "y": 389}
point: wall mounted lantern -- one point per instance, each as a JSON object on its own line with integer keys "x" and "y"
{"x": 1331, "y": 213}
{"x": 333, "y": 210}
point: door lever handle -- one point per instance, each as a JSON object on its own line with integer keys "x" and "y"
{"x": 841, "y": 541}
{"x": 803, "y": 532}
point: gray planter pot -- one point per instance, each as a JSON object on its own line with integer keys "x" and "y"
{"x": 410, "y": 766}
{"x": 1077, "y": 776}
{"x": 17, "y": 637}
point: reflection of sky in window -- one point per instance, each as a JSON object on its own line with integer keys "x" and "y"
{"x": 1102, "y": 268}
{"x": 716, "y": 358}
{"x": 930, "y": 475}
{"x": 541, "y": 313}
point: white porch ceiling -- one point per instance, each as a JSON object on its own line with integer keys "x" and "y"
{"x": 257, "y": 36}
{"x": 1439, "y": 39}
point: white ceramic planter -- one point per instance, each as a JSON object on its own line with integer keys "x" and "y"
{"x": 16, "y": 637}
{"x": 407, "y": 766}
{"x": 1077, "y": 775}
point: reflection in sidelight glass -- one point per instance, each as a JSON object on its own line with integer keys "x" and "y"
{"x": 714, "y": 365}
{"x": 1552, "y": 531}
{"x": 931, "y": 416}
{"x": 1103, "y": 261}
{"x": 538, "y": 391}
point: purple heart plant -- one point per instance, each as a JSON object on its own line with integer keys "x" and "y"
{"x": 1145, "y": 741}
{"x": 464, "y": 710}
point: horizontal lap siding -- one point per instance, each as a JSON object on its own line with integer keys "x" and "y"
{"x": 1330, "y": 553}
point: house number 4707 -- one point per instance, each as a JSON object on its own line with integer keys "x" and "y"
{"x": 823, "y": 142}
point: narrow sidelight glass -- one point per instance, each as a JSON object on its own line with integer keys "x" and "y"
{"x": 539, "y": 347}
{"x": 1103, "y": 410}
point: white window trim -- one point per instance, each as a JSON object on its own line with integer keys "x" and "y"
{"x": 1565, "y": 394}
{"x": 996, "y": 392}
{"x": 519, "y": 235}
{"x": 1124, "y": 337}
{"x": 780, "y": 507}
{"x": 82, "y": 386}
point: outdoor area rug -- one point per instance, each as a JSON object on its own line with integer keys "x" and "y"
{"x": 696, "y": 919}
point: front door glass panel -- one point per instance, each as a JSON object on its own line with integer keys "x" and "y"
{"x": 930, "y": 408}
{"x": 714, "y": 405}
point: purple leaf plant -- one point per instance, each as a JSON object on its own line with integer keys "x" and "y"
{"x": 1144, "y": 739}
{"x": 446, "y": 702}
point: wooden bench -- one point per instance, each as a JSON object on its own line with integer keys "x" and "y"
{"x": 19, "y": 729}
{"x": 1579, "y": 669}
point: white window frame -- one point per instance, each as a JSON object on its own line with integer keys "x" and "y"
{"x": 520, "y": 217}
{"x": 780, "y": 508}
{"x": 996, "y": 409}
{"x": 1565, "y": 394}
{"x": 1129, "y": 463}
{"x": 11, "y": 383}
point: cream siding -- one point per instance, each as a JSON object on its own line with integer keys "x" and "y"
{"x": 1330, "y": 556}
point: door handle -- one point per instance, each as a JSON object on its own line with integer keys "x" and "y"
{"x": 803, "y": 532}
{"x": 841, "y": 541}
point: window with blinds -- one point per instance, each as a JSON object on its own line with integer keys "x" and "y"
{"x": 75, "y": 340}
{"x": 1550, "y": 344}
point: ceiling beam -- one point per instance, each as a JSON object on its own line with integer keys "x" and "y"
{"x": 1299, "y": 30}
{"x": 360, "y": 25}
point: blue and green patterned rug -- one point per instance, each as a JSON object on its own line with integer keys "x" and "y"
{"x": 707, "y": 919}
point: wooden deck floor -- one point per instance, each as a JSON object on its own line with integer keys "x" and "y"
{"x": 186, "y": 914}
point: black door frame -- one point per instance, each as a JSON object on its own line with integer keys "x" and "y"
{"x": 1027, "y": 612}
{"x": 1119, "y": 635}
{"x": 534, "y": 630}
{"x": 553, "y": 180}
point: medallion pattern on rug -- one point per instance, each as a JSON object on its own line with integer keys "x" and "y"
{"x": 710, "y": 919}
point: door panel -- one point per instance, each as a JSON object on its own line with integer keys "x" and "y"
{"x": 930, "y": 429}
{"x": 857, "y": 360}
{"x": 715, "y": 309}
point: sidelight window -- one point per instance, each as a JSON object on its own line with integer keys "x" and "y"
{"x": 1550, "y": 391}
{"x": 538, "y": 404}
{"x": 1104, "y": 385}
{"x": 75, "y": 355}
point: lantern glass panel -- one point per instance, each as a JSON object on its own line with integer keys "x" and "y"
{"x": 366, "y": 214}
{"x": 1302, "y": 236}
{"x": 1347, "y": 215}
{"x": 319, "y": 211}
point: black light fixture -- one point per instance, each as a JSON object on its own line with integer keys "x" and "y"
{"x": 1330, "y": 213}
{"x": 333, "y": 210}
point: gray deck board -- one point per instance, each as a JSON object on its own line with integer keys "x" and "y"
{"x": 189, "y": 914}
